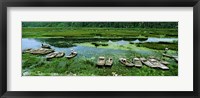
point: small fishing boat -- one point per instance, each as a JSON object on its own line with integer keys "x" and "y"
{"x": 147, "y": 63}
{"x": 125, "y": 62}
{"x": 72, "y": 55}
{"x": 46, "y": 46}
{"x": 51, "y": 55}
{"x": 109, "y": 62}
{"x": 42, "y": 51}
{"x": 137, "y": 62}
{"x": 101, "y": 61}
{"x": 158, "y": 64}
{"x": 60, "y": 54}
{"x": 55, "y": 55}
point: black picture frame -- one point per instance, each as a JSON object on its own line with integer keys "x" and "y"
{"x": 99, "y": 3}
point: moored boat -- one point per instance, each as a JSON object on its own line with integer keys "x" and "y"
{"x": 42, "y": 51}
{"x": 101, "y": 61}
{"x": 46, "y": 46}
{"x": 51, "y": 55}
{"x": 147, "y": 63}
{"x": 72, "y": 55}
{"x": 125, "y": 62}
{"x": 60, "y": 54}
{"x": 137, "y": 62}
{"x": 109, "y": 62}
{"x": 158, "y": 64}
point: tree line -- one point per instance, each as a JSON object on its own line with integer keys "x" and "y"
{"x": 103, "y": 24}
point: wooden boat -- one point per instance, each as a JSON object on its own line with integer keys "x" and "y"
{"x": 109, "y": 62}
{"x": 101, "y": 61}
{"x": 158, "y": 64}
{"x": 42, "y": 51}
{"x": 137, "y": 62}
{"x": 147, "y": 63}
{"x": 46, "y": 46}
{"x": 51, "y": 55}
{"x": 55, "y": 55}
{"x": 72, "y": 55}
{"x": 60, "y": 54}
{"x": 125, "y": 62}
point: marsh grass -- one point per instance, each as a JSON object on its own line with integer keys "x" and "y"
{"x": 159, "y": 46}
{"x": 36, "y": 32}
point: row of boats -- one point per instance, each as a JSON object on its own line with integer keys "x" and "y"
{"x": 103, "y": 62}
{"x": 152, "y": 62}
{"x": 137, "y": 62}
{"x": 50, "y": 53}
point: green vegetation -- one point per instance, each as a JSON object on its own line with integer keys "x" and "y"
{"x": 39, "y": 32}
{"x": 159, "y": 45}
{"x": 102, "y": 24}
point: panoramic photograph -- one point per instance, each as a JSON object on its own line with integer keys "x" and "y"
{"x": 99, "y": 48}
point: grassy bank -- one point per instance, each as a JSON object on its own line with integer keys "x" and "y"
{"x": 36, "y": 32}
{"x": 37, "y": 66}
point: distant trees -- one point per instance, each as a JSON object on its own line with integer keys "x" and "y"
{"x": 103, "y": 24}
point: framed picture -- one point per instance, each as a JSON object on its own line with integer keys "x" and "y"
{"x": 131, "y": 48}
